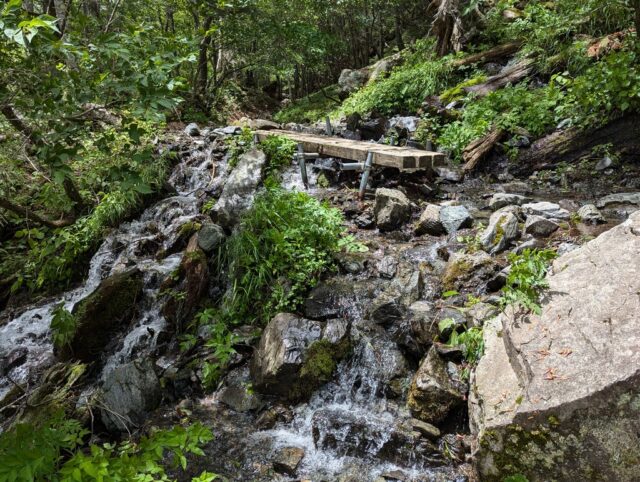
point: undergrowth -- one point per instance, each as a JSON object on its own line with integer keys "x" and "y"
{"x": 311, "y": 108}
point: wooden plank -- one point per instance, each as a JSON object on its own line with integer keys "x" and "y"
{"x": 383, "y": 155}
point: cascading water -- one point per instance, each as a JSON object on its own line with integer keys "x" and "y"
{"x": 25, "y": 340}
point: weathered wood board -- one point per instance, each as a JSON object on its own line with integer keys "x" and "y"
{"x": 383, "y": 155}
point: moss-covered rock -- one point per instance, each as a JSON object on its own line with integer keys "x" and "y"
{"x": 102, "y": 315}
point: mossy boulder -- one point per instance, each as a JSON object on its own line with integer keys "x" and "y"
{"x": 556, "y": 396}
{"x": 296, "y": 355}
{"x": 463, "y": 267}
{"x": 102, "y": 315}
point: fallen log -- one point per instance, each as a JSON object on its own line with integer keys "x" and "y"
{"x": 478, "y": 149}
{"x": 511, "y": 75}
{"x": 574, "y": 144}
{"x": 498, "y": 52}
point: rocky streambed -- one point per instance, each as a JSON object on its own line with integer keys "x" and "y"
{"x": 360, "y": 384}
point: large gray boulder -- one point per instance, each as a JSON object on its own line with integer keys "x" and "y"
{"x": 557, "y": 396}
{"x": 429, "y": 222}
{"x": 239, "y": 191}
{"x": 296, "y": 355}
{"x": 392, "y": 209}
{"x": 502, "y": 230}
{"x": 129, "y": 393}
{"x": 351, "y": 80}
{"x": 454, "y": 218}
{"x": 619, "y": 198}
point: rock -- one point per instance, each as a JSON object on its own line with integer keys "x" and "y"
{"x": 546, "y": 210}
{"x": 567, "y": 248}
{"x": 102, "y": 315}
{"x": 365, "y": 221}
{"x": 351, "y": 80}
{"x": 604, "y": 163}
{"x": 236, "y": 393}
{"x": 228, "y": 131}
{"x": 501, "y": 232}
{"x": 589, "y": 214}
{"x": 210, "y": 237}
{"x": 387, "y": 267}
{"x": 462, "y": 267}
{"x": 192, "y": 130}
{"x": 619, "y": 198}
{"x": 293, "y": 358}
{"x": 392, "y": 209}
{"x": 287, "y": 460}
{"x": 262, "y": 125}
{"x": 502, "y": 199}
{"x": 479, "y": 313}
{"x": 449, "y": 173}
{"x": 129, "y": 393}
{"x": 372, "y": 129}
{"x": 540, "y": 227}
{"x": 426, "y": 429}
{"x": 454, "y": 218}
{"x": 529, "y": 244}
{"x": 384, "y": 66}
{"x": 270, "y": 417}
{"x": 433, "y": 395}
{"x": 400, "y": 124}
{"x": 239, "y": 191}
{"x": 429, "y": 222}
{"x": 387, "y": 308}
{"x": 565, "y": 403}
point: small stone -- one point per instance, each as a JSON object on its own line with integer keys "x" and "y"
{"x": 429, "y": 222}
{"x": 394, "y": 475}
{"x": 604, "y": 163}
{"x": 539, "y": 226}
{"x": 546, "y": 210}
{"x": 210, "y": 237}
{"x": 449, "y": 174}
{"x": 365, "y": 221}
{"x": 426, "y": 429}
{"x": 454, "y": 218}
{"x": 287, "y": 460}
{"x": 387, "y": 267}
{"x": 533, "y": 243}
{"x": 502, "y": 199}
{"x": 590, "y": 214}
{"x": 192, "y": 130}
{"x": 392, "y": 209}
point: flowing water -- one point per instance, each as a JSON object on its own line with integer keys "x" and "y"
{"x": 27, "y": 338}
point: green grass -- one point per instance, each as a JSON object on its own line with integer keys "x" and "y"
{"x": 311, "y": 108}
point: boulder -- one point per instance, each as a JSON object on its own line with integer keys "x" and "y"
{"x": 454, "y": 218}
{"x": 392, "y": 209}
{"x": 387, "y": 267}
{"x": 449, "y": 173}
{"x": 462, "y": 267}
{"x": 287, "y": 460}
{"x": 590, "y": 214}
{"x": 102, "y": 315}
{"x": 546, "y": 210}
{"x": 351, "y": 80}
{"x": 503, "y": 199}
{"x": 539, "y": 226}
{"x": 295, "y": 355}
{"x": 129, "y": 393}
{"x": 501, "y": 232}
{"x": 429, "y": 222}
{"x": 192, "y": 130}
{"x": 433, "y": 395}
{"x": 239, "y": 191}
{"x": 619, "y": 198}
{"x": 210, "y": 237}
{"x": 557, "y": 396}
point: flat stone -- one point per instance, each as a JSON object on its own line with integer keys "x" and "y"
{"x": 619, "y": 198}
{"x": 540, "y": 227}
{"x": 590, "y": 214}
{"x": 546, "y": 210}
{"x": 426, "y": 429}
{"x": 503, "y": 199}
{"x": 557, "y": 395}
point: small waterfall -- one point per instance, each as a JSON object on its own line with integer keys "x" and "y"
{"x": 132, "y": 244}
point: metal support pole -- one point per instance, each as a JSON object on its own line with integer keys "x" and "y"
{"x": 303, "y": 165}
{"x": 365, "y": 175}
{"x": 256, "y": 140}
{"x": 328, "y": 128}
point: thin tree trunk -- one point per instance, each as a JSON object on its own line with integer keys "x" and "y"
{"x": 27, "y": 213}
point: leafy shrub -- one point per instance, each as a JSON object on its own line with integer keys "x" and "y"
{"x": 471, "y": 340}
{"x": 279, "y": 151}
{"x": 53, "y": 452}
{"x": 527, "y": 279}
{"x": 283, "y": 246}
{"x": 63, "y": 326}
{"x": 311, "y": 108}
{"x": 238, "y": 145}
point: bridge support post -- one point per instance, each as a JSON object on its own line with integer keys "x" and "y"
{"x": 365, "y": 175}
{"x": 303, "y": 166}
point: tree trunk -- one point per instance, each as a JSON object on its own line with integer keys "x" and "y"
{"x": 511, "y": 75}
{"x": 636, "y": 6}
{"x": 202, "y": 77}
{"x": 498, "y": 52}
{"x": 27, "y": 213}
{"x": 398, "y": 30}
{"x": 478, "y": 149}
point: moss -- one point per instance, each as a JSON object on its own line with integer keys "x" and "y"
{"x": 455, "y": 271}
{"x": 499, "y": 231}
{"x": 322, "y": 182}
{"x": 458, "y": 92}
{"x": 189, "y": 228}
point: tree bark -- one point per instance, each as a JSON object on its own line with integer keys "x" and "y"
{"x": 27, "y": 213}
{"x": 511, "y": 75}
{"x": 478, "y": 149}
{"x": 498, "y": 52}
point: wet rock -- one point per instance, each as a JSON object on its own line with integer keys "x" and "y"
{"x": 502, "y": 199}
{"x": 589, "y": 214}
{"x": 430, "y": 222}
{"x": 394, "y": 475}
{"x": 210, "y": 237}
{"x": 270, "y": 417}
{"x": 565, "y": 417}
{"x": 546, "y": 210}
{"x": 102, "y": 315}
{"x": 420, "y": 318}
{"x": 501, "y": 232}
{"x": 293, "y": 358}
{"x": 426, "y": 429}
{"x": 329, "y": 299}
{"x": 387, "y": 267}
{"x": 15, "y": 358}
{"x": 365, "y": 221}
{"x": 540, "y": 227}
{"x": 287, "y": 460}
{"x": 236, "y": 392}
{"x": 387, "y": 308}
{"x": 454, "y": 218}
{"x": 433, "y": 395}
{"x": 392, "y": 209}
{"x": 604, "y": 163}
{"x": 619, "y": 198}
{"x": 129, "y": 393}
{"x": 239, "y": 191}
{"x": 192, "y": 130}
{"x": 462, "y": 267}
{"x": 351, "y": 263}
{"x": 449, "y": 173}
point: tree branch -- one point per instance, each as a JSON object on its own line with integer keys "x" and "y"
{"x": 27, "y": 213}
